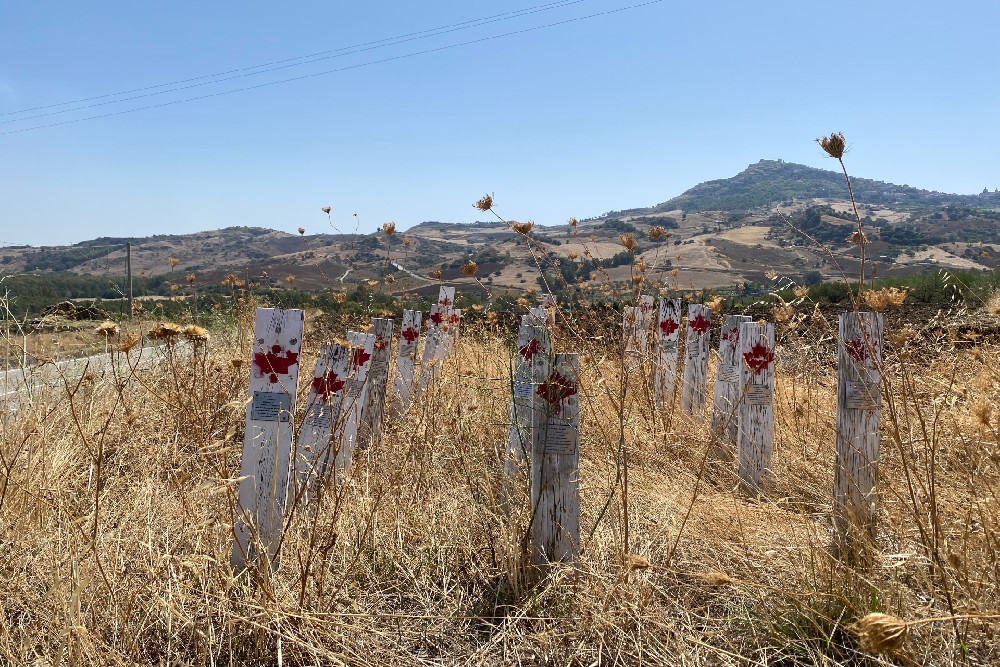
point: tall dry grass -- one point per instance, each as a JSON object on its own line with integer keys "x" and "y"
{"x": 117, "y": 493}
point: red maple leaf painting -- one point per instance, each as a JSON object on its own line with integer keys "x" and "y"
{"x": 857, "y": 349}
{"x": 454, "y": 318}
{"x": 327, "y": 385}
{"x": 275, "y": 362}
{"x": 646, "y": 306}
{"x": 437, "y": 318}
{"x": 758, "y": 358}
{"x": 700, "y": 324}
{"x": 444, "y": 302}
{"x": 360, "y": 357}
{"x": 410, "y": 335}
{"x": 732, "y": 336}
{"x": 668, "y": 326}
{"x": 530, "y": 349}
{"x": 556, "y": 389}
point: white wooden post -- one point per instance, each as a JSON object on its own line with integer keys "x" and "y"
{"x": 549, "y": 305}
{"x": 555, "y": 464}
{"x": 531, "y": 365}
{"x": 696, "y": 345}
{"x": 432, "y": 342}
{"x": 355, "y": 394}
{"x": 727, "y": 385}
{"x": 322, "y": 427}
{"x": 644, "y": 311}
{"x": 859, "y": 399}
{"x": 378, "y": 379}
{"x": 630, "y": 329}
{"x": 668, "y": 332}
{"x": 406, "y": 358}
{"x": 446, "y": 298}
{"x": 756, "y": 405}
{"x": 267, "y": 440}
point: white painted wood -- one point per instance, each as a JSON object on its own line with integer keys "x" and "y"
{"x": 322, "y": 427}
{"x": 550, "y": 305}
{"x": 755, "y": 430}
{"x": 446, "y": 298}
{"x": 555, "y": 464}
{"x": 429, "y": 363}
{"x": 858, "y": 445}
{"x": 355, "y": 395}
{"x": 378, "y": 379}
{"x": 696, "y": 346}
{"x": 668, "y": 332}
{"x": 267, "y": 442}
{"x": 727, "y": 385}
{"x": 630, "y": 329}
{"x": 644, "y": 313}
{"x": 530, "y": 368}
{"x": 538, "y": 316}
{"x": 406, "y": 359}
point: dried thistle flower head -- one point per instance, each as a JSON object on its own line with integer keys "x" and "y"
{"x": 522, "y": 302}
{"x": 165, "y": 331}
{"x": 858, "y": 238}
{"x": 715, "y": 304}
{"x": 478, "y": 308}
{"x": 174, "y": 287}
{"x": 406, "y": 242}
{"x": 879, "y": 300}
{"x": 390, "y": 279}
{"x": 195, "y": 333}
{"x": 572, "y": 222}
{"x": 673, "y": 273}
{"x": 523, "y": 228}
{"x": 655, "y": 232}
{"x": 371, "y": 283}
{"x": 491, "y": 317}
{"x": 340, "y": 298}
{"x": 107, "y": 329}
{"x": 302, "y": 230}
{"x": 136, "y": 308}
{"x": 573, "y": 255}
{"x": 783, "y": 313}
{"x": 173, "y": 261}
{"x": 190, "y": 279}
{"x": 628, "y": 240}
{"x": 583, "y": 285}
{"x": 128, "y": 341}
{"x": 485, "y": 203}
{"x": 834, "y": 145}
{"x": 437, "y": 274}
{"x": 290, "y": 280}
{"x": 326, "y": 209}
{"x": 771, "y": 275}
{"x": 470, "y": 268}
{"x": 800, "y": 292}
{"x": 880, "y": 633}
{"x": 637, "y": 279}
{"x": 389, "y": 228}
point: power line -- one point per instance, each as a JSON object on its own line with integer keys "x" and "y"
{"x": 280, "y": 64}
{"x": 337, "y": 70}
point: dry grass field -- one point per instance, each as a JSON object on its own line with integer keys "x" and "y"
{"x": 117, "y": 493}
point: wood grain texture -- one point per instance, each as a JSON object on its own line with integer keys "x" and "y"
{"x": 530, "y": 368}
{"x": 555, "y": 464}
{"x": 859, "y": 380}
{"x": 667, "y": 335}
{"x": 322, "y": 425}
{"x": 378, "y": 379}
{"x": 727, "y": 385}
{"x": 696, "y": 345}
{"x": 756, "y": 405}
{"x": 267, "y": 443}
{"x": 406, "y": 359}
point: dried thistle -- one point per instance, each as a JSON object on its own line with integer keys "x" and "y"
{"x": 628, "y": 240}
{"x": 573, "y": 255}
{"x": 800, "y": 292}
{"x": 771, "y": 275}
{"x": 174, "y": 287}
{"x": 491, "y": 317}
{"x": 128, "y": 341}
{"x": 655, "y": 232}
{"x": 390, "y": 279}
{"x": 326, "y": 209}
{"x": 469, "y": 268}
{"x": 290, "y": 280}
{"x": 165, "y": 331}
{"x": 523, "y": 228}
{"x": 389, "y": 228}
{"x": 173, "y": 261}
{"x": 340, "y": 298}
{"x": 572, "y": 222}
{"x": 190, "y": 279}
{"x": 834, "y": 145}
{"x": 637, "y": 279}
{"x": 196, "y": 334}
{"x": 371, "y": 283}
{"x": 858, "y": 238}
{"x": 437, "y": 274}
{"x": 485, "y": 203}
{"x": 715, "y": 304}
{"x": 880, "y": 633}
{"x": 879, "y": 300}
{"x": 783, "y": 313}
{"x": 406, "y": 242}
{"x": 107, "y": 329}
{"x": 302, "y": 230}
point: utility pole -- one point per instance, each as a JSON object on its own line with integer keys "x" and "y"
{"x": 128, "y": 276}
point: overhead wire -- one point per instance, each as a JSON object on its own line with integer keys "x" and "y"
{"x": 278, "y": 64}
{"x": 339, "y": 69}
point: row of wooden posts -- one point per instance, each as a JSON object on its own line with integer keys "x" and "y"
{"x": 347, "y": 399}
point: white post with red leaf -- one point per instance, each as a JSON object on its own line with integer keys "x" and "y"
{"x": 433, "y": 346}
{"x": 696, "y": 346}
{"x": 727, "y": 385}
{"x": 555, "y": 464}
{"x": 378, "y": 380}
{"x": 406, "y": 359}
{"x": 320, "y": 436}
{"x": 355, "y": 394}
{"x": 267, "y": 440}
{"x": 644, "y": 313}
{"x": 531, "y": 366}
{"x": 859, "y": 400}
{"x": 756, "y": 405}
{"x": 668, "y": 332}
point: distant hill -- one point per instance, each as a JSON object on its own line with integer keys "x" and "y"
{"x": 771, "y": 182}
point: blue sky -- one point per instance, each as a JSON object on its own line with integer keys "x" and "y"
{"x": 622, "y": 110}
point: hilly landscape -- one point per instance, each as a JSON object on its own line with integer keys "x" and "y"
{"x": 774, "y": 216}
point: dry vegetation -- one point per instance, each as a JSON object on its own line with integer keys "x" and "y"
{"x": 117, "y": 499}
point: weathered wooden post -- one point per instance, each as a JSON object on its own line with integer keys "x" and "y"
{"x": 555, "y": 464}
{"x": 630, "y": 329}
{"x": 320, "y": 436}
{"x": 267, "y": 440}
{"x": 355, "y": 395}
{"x": 446, "y": 298}
{"x": 666, "y": 366}
{"x": 644, "y": 313}
{"x": 531, "y": 366}
{"x": 859, "y": 400}
{"x": 378, "y": 379}
{"x": 406, "y": 358}
{"x": 550, "y": 306}
{"x": 727, "y": 385}
{"x": 696, "y": 345}
{"x": 432, "y": 343}
{"x": 756, "y": 405}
